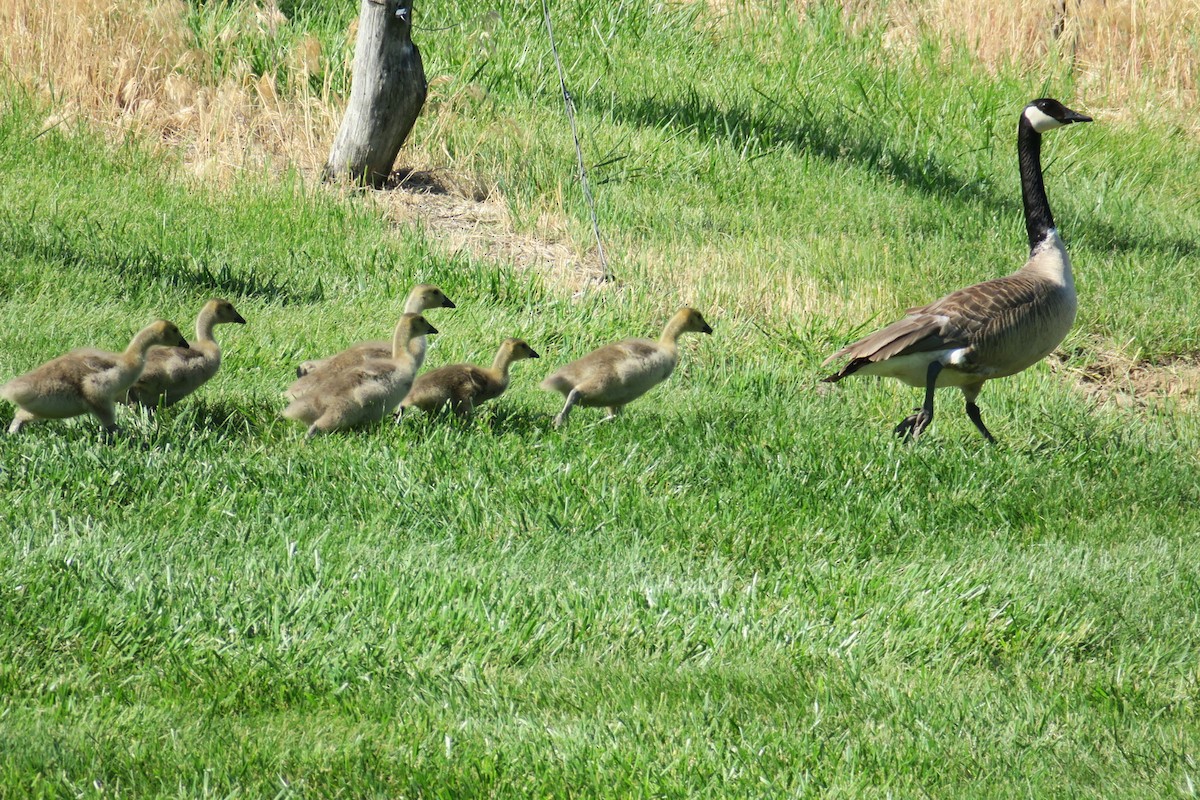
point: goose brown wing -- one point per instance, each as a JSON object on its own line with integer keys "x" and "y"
{"x": 916, "y": 333}
{"x": 459, "y": 380}
{"x": 966, "y": 317}
{"x": 990, "y": 310}
{"x": 473, "y": 381}
{"x": 161, "y": 355}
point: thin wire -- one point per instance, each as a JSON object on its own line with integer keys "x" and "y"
{"x": 583, "y": 177}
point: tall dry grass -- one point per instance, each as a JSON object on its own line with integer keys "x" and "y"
{"x": 135, "y": 67}
{"x": 1135, "y": 55}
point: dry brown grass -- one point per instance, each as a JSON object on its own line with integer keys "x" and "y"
{"x": 1115, "y": 378}
{"x": 1127, "y": 55}
{"x": 131, "y": 68}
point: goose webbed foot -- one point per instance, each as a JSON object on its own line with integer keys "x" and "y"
{"x": 912, "y": 425}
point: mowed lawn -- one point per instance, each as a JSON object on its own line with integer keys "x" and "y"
{"x": 744, "y": 586}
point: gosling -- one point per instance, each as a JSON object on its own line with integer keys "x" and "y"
{"x": 364, "y": 393}
{"x": 463, "y": 387}
{"x": 85, "y": 381}
{"x": 423, "y": 297}
{"x": 621, "y": 372}
{"x": 172, "y": 373}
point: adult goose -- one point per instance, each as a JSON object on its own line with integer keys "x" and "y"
{"x": 992, "y": 329}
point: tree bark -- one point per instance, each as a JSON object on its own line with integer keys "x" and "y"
{"x": 386, "y": 95}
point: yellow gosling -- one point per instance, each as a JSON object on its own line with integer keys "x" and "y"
{"x": 619, "y": 373}
{"x": 85, "y": 381}
{"x": 463, "y": 387}
{"x": 363, "y": 393}
{"x": 172, "y": 373}
{"x": 423, "y": 297}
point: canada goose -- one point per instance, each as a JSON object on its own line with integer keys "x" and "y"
{"x": 465, "y": 386}
{"x": 172, "y": 373}
{"x": 992, "y": 329}
{"x": 362, "y": 393}
{"x": 423, "y": 297}
{"x": 621, "y": 372}
{"x": 85, "y": 381}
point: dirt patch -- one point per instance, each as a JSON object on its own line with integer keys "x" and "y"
{"x": 467, "y": 216}
{"x": 1128, "y": 383}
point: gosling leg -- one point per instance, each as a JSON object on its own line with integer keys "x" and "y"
{"x": 464, "y": 410}
{"x": 21, "y": 419}
{"x": 107, "y": 414}
{"x": 912, "y": 425}
{"x": 613, "y": 412}
{"x": 326, "y": 423}
{"x": 572, "y": 399}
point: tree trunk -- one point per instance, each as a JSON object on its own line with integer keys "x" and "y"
{"x": 386, "y": 94}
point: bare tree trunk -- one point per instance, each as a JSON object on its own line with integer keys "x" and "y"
{"x": 386, "y": 95}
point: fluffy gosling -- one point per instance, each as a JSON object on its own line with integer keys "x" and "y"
{"x": 465, "y": 386}
{"x": 85, "y": 381}
{"x": 619, "y": 373}
{"x": 423, "y": 297}
{"x": 172, "y": 373}
{"x": 364, "y": 393}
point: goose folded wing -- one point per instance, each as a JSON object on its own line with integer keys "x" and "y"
{"x": 992, "y": 307}
{"x": 915, "y": 333}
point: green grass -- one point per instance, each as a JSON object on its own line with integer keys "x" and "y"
{"x": 743, "y": 587}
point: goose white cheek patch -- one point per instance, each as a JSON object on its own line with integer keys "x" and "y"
{"x": 1040, "y": 120}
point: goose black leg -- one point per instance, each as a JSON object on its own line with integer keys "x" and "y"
{"x": 913, "y": 424}
{"x": 970, "y": 393}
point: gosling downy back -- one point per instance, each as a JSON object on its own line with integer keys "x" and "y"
{"x": 363, "y": 393}
{"x": 172, "y": 373}
{"x": 463, "y": 387}
{"x": 619, "y": 373}
{"x": 85, "y": 381}
{"x": 423, "y": 297}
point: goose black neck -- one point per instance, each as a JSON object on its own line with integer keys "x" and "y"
{"x": 1038, "y": 219}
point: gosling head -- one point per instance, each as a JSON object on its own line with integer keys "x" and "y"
{"x": 166, "y": 333}
{"x": 693, "y": 321}
{"x": 430, "y": 296}
{"x": 417, "y": 325}
{"x": 223, "y": 311}
{"x": 1046, "y": 114}
{"x": 520, "y": 349}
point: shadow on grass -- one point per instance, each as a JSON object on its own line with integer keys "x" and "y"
{"x": 137, "y": 268}
{"x": 738, "y": 126}
{"x": 498, "y": 418}
{"x": 205, "y": 421}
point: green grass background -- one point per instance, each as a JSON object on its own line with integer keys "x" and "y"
{"x": 743, "y": 587}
